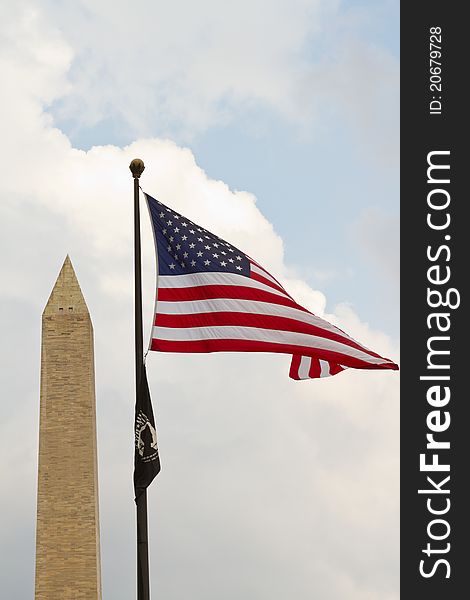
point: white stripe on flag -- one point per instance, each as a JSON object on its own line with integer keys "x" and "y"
{"x": 263, "y": 273}
{"x": 324, "y": 368}
{"x": 192, "y": 307}
{"x": 203, "y": 279}
{"x": 304, "y": 367}
{"x": 229, "y": 332}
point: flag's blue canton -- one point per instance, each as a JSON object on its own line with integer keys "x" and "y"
{"x": 184, "y": 247}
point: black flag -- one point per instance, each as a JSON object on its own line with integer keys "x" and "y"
{"x": 146, "y": 458}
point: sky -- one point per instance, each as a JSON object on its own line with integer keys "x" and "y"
{"x": 275, "y": 125}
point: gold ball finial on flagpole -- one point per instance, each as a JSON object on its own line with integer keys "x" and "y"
{"x": 137, "y": 167}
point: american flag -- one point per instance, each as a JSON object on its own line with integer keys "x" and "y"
{"x": 212, "y": 297}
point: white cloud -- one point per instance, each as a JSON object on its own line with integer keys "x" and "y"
{"x": 183, "y": 67}
{"x": 270, "y": 488}
{"x": 186, "y": 58}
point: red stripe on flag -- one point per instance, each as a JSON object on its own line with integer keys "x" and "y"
{"x": 315, "y": 369}
{"x": 294, "y": 367}
{"x": 258, "y": 321}
{"x": 261, "y": 279}
{"x": 268, "y": 274}
{"x": 227, "y": 345}
{"x": 238, "y": 292}
{"x": 335, "y": 369}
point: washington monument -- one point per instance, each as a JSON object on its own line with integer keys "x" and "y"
{"x": 67, "y": 534}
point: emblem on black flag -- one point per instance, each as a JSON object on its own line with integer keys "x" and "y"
{"x": 147, "y": 448}
{"x": 146, "y": 457}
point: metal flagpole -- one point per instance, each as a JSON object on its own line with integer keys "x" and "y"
{"x": 143, "y": 587}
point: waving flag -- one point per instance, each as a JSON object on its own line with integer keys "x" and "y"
{"x": 211, "y": 297}
{"x": 146, "y": 457}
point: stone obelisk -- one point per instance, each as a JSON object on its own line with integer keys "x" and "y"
{"x": 67, "y": 534}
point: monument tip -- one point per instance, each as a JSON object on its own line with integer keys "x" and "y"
{"x": 66, "y": 295}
